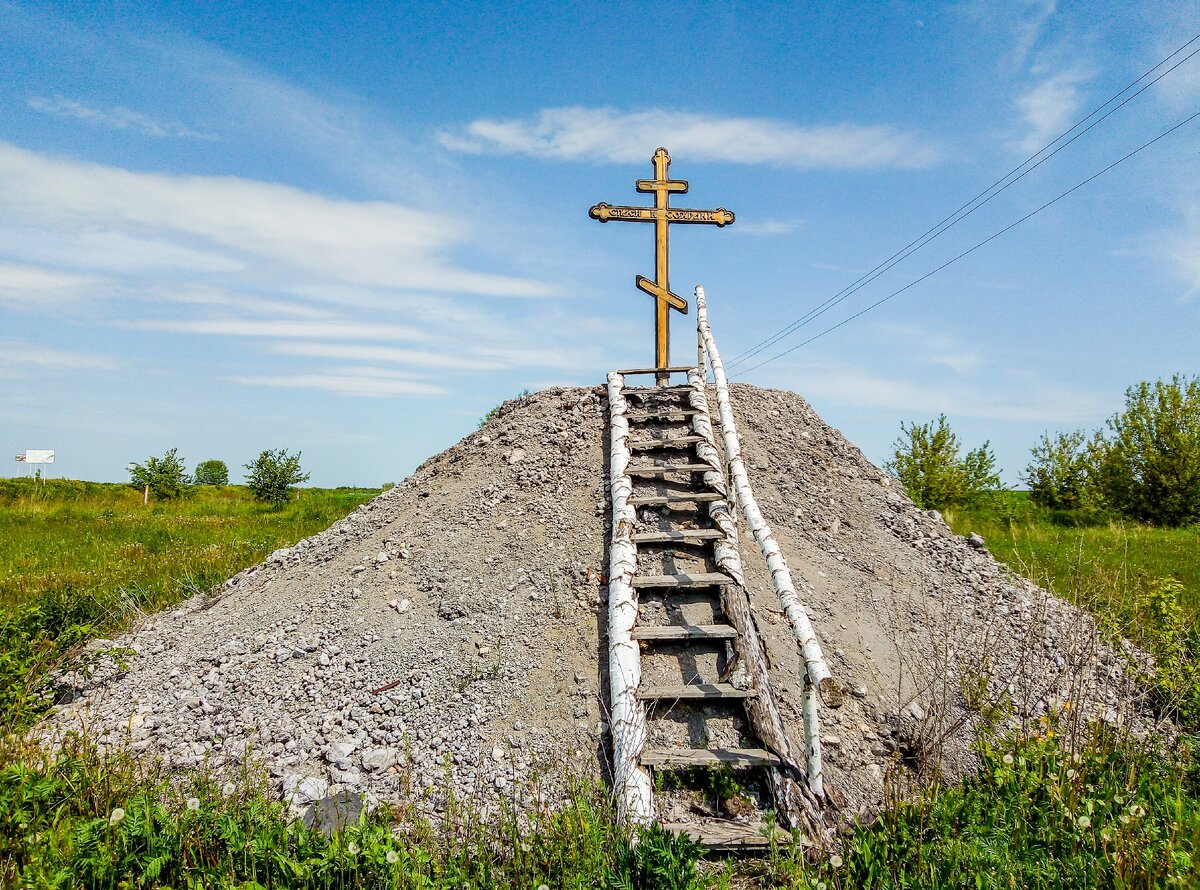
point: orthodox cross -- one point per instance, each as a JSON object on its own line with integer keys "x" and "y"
{"x": 662, "y": 216}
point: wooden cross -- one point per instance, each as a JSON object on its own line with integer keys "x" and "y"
{"x": 662, "y": 216}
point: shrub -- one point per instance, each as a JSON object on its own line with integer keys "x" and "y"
{"x": 1148, "y": 460}
{"x": 212, "y": 472}
{"x": 1059, "y": 475}
{"x": 273, "y": 474}
{"x": 165, "y": 476}
{"x": 927, "y": 461}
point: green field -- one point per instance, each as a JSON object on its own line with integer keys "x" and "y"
{"x": 79, "y": 559}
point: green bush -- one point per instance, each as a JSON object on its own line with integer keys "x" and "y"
{"x": 165, "y": 476}
{"x": 1059, "y": 475}
{"x": 273, "y": 474}
{"x": 212, "y": 472}
{"x": 927, "y": 462}
{"x": 1147, "y": 462}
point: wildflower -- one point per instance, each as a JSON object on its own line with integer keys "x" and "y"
{"x": 1070, "y": 774}
{"x": 393, "y": 857}
{"x": 820, "y": 885}
{"x": 1008, "y": 759}
{"x": 1137, "y": 811}
{"x": 193, "y": 804}
{"x": 1084, "y": 822}
{"x": 228, "y": 788}
{"x": 117, "y": 815}
{"x": 1124, "y": 818}
{"x": 352, "y": 848}
{"x": 835, "y": 861}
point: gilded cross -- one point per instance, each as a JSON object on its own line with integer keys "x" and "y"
{"x": 662, "y": 215}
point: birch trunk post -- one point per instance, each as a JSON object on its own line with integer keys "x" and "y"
{"x": 627, "y": 720}
{"x": 796, "y": 806}
{"x": 824, "y": 687}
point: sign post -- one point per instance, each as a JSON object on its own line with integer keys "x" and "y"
{"x": 662, "y": 215}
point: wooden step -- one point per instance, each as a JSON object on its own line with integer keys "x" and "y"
{"x": 651, "y": 444}
{"x": 710, "y": 757}
{"x": 720, "y": 835}
{"x": 693, "y": 691}
{"x": 679, "y": 369}
{"x": 686, "y": 536}
{"x": 667, "y": 414}
{"x": 653, "y": 390}
{"x": 700, "y": 579}
{"x": 665, "y": 500}
{"x": 663, "y": 471}
{"x": 681, "y": 632}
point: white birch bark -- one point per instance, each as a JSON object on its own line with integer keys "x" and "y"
{"x": 628, "y": 717}
{"x": 781, "y": 576}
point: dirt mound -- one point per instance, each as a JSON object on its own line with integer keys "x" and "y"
{"x": 452, "y": 630}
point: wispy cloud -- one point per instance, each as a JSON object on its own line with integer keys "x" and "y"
{"x": 115, "y": 118}
{"x": 20, "y": 360}
{"x": 767, "y": 227}
{"x": 254, "y": 327}
{"x": 1030, "y": 18}
{"x": 27, "y": 286}
{"x": 1048, "y": 108}
{"x": 391, "y": 354}
{"x": 362, "y": 382}
{"x": 612, "y": 136}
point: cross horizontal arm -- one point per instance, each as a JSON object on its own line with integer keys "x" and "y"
{"x": 605, "y": 212}
{"x": 666, "y": 185}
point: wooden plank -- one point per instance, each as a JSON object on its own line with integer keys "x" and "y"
{"x": 694, "y": 691}
{"x": 675, "y": 415}
{"x": 711, "y": 757}
{"x": 663, "y": 471}
{"x": 676, "y": 632}
{"x": 675, "y": 370}
{"x": 677, "y": 442}
{"x": 664, "y": 500}
{"x": 653, "y": 390}
{"x": 721, "y": 836}
{"x": 700, "y": 579}
{"x": 686, "y": 536}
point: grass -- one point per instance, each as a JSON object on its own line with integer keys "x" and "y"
{"x": 81, "y": 558}
{"x": 1070, "y": 807}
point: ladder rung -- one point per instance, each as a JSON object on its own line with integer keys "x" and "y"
{"x": 724, "y": 836}
{"x": 702, "y": 579}
{"x": 675, "y": 370}
{"x": 663, "y": 471}
{"x": 685, "y": 536}
{"x": 678, "y": 442}
{"x": 652, "y": 390}
{"x": 673, "y": 632}
{"x": 735, "y": 757}
{"x": 663, "y": 500}
{"x": 701, "y": 691}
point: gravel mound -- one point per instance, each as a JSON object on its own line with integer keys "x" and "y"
{"x": 450, "y": 634}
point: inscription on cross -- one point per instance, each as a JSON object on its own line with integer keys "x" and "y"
{"x": 662, "y": 215}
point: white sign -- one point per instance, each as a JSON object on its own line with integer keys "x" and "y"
{"x": 39, "y": 456}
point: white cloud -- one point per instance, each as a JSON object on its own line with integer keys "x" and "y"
{"x": 115, "y": 119}
{"x": 255, "y": 327}
{"x": 608, "y": 135}
{"x": 1032, "y": 16}
{"x": 20, "y": 360}
{"x": 31, "y": 286}
{"x": 279, "y": 229}
{"x": 363, "y": 382}
{"x": 414, "y": 357}
{"x": 767, "y": 227}
{"x": 1049, "y": 108}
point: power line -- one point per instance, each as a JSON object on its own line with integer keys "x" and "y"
{"x": 978, "y": 201}
{"x": 971, "y": 250}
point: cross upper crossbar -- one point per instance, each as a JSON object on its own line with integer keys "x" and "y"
{"x": 662, "y": 215}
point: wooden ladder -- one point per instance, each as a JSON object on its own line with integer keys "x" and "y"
{"x": 672, "y": 516}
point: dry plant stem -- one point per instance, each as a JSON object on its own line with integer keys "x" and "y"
{"x": 797, "y": 808}
{"x": 781, "y": 576}
{"x": 628, "y": 719}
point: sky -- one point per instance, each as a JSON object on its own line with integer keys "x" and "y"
{"x": 352, "y": 229}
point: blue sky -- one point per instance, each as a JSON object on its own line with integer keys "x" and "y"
{"x": 353, "y": 228}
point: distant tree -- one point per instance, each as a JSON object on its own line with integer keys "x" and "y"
{"x": 1147, "y": 460}
{"x": 165, "y": 476}
{"x": 928, "y": 463}
{"x": 1060, "y": 474}
{"x": 212, "y": 472}
{"x": 273, "y": 474}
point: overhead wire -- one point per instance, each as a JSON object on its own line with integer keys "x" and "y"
{"x": 995, "y": 189}
{"x": 974, "y": 248}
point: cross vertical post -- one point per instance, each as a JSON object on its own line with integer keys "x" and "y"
{"x": 662, "y": 215}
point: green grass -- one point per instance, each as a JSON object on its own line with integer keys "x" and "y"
{"x": 81, "y": 558}
{"x": 1087, "y": 810}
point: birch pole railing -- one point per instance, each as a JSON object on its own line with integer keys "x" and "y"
{"x": 819, "y": 683}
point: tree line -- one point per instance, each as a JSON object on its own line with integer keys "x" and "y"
{"x": 1142, "y": 464}
{"x": 270, "y": 477}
